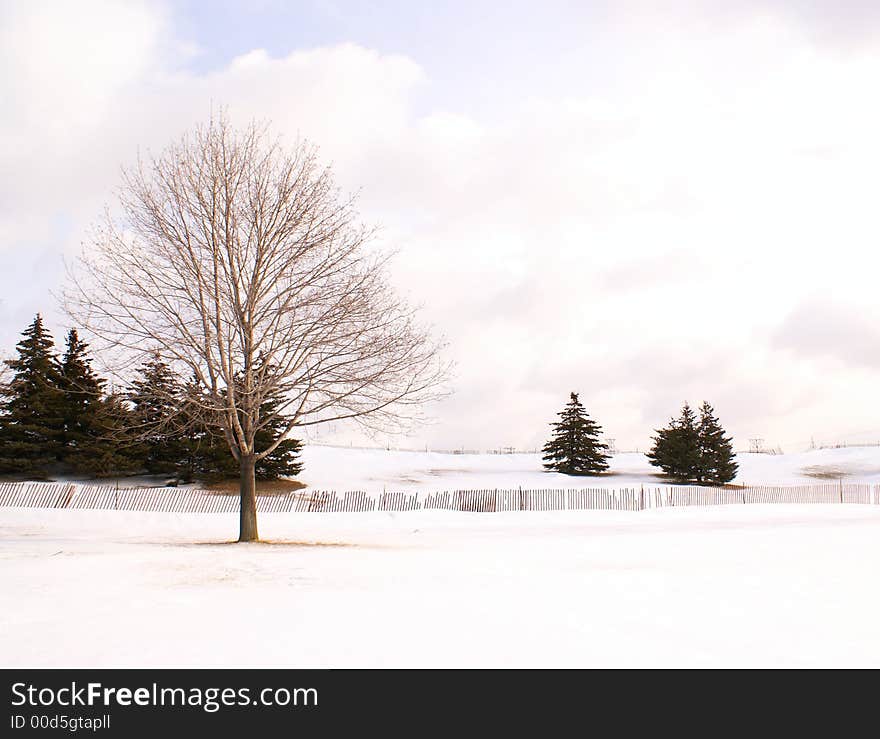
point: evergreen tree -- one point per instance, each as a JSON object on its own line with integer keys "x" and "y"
{"x": 575, "y": 448}
{"x": 82, "y": 431}
{"x": 192, "y": 446}
{"x": 676, "y": 448}
{"x": 285, "y": 460}
{"x": 157, "y": 397}
{"x": 692, "y": 450}
{"x": 32, "y": 412}
{"x": 196, "y": 439}
{"x": 111, "y": 450}
{"x": 212, "y": 458}
{"x": 661, "y": 453}
{"x": 717, "y": 458}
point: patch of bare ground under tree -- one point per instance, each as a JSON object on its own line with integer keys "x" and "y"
{"x": 264, "y": 487}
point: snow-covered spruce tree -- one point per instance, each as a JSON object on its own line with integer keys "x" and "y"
{"x": 31, "y": 415}
{"x": 717, "y": 458}
{"x": 575, "y": 447}
{"x": 676, "y": 448}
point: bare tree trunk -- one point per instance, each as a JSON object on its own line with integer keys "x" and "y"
{"x": 248, "y": 509}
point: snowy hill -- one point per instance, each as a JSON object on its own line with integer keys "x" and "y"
{"x": 339, "y": 468}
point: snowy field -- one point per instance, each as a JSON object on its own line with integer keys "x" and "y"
{"x": 372, "y": 470}
{"x": 378, "y": 470}
{"x": 718, "y": 586}
{"x": 726, "y": 586}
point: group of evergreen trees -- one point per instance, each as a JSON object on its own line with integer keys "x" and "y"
{"x": 692, "y": 449}
{"x": 54, "y": 410}
{"x": 688, "y": 450}
{"x": 57, "y": 415}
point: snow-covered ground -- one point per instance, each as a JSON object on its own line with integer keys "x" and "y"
{"x": 732, "y": 585}
{"x": 725, "y": 586}
{"x": 334, "y": 468}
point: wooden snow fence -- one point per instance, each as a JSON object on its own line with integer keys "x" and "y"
{"x": 687, "y": 495}
{"x": 35, "y": 494}
{"x": 518, "y": 499}
{"x": 191, "y": 500}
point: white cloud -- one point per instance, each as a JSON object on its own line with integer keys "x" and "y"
{"x": 640, "y": 242}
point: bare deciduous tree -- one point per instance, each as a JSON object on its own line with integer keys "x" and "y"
{"x": 242, "y": 264}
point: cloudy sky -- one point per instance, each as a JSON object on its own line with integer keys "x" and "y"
{"x": 643, "y": 201}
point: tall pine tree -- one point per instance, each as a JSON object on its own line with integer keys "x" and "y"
{"x": 32, "y": 412}
{"x": 157, "y": 397}
{"x": 200, "y": 445}
{"x": 717, "y": 458}
{"x": 111, "y": 449}
{"x": 575, "y": 447}
{"x": 676, "y": 448}
{"x": 82, "y": 432}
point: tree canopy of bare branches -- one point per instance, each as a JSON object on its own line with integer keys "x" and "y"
{"x": 243, "y": 264}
